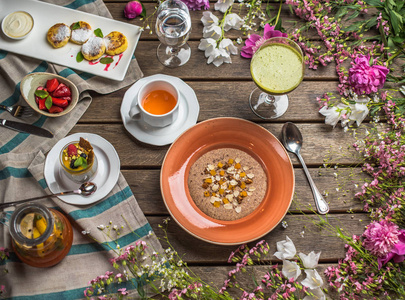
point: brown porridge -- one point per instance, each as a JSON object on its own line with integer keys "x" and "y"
{"x": 227, "y": 184}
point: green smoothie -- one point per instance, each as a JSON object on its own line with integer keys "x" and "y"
{"x": 277, "y": 68}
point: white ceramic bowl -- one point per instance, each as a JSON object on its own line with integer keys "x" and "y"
{"x": 24, "y": 16}
{"x": 32, "y": 81}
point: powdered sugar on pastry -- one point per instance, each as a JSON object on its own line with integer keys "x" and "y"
{"x": 62, "y": 33}
{"x": 93, "y": 48}
{"x": 81, "y": 35}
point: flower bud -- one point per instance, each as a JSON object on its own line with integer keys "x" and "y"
{"x": 132, "y": 9}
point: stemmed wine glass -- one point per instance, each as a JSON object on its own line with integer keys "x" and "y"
{"x": 277, "y": 68}
{"x": 173, "y": 26}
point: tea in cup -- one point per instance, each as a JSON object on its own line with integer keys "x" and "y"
{"x": 156, "y": 103}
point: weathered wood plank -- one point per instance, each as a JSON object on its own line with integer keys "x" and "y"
{"x": 223, "y": 99}
{"x": 301, "y": 229}
{"x": 145, "y": 184}
{"x": 321, "y": 143}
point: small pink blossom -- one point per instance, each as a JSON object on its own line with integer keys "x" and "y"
{"x": 254, "y": 41}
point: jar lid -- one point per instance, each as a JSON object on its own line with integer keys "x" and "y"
{"x": 22, "y": 223}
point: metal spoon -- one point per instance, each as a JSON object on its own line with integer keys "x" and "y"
{"x": 292, "y": 140}
{"x": 86, "y": 189}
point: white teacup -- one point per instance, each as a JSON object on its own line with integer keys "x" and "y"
{"x": 157, "y": 103}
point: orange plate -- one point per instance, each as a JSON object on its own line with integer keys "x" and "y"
{"x": 231, "y": 133}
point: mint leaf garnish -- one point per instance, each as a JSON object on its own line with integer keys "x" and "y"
{"x": 106, "y": 60}
{"x": 98, "y": 32}
{"x": 81, "y": 161}
{"x": 76, "y": 26}
{"x": 79, "y": 57}
{"x": 41, "y": 94}
{"x": 48, "y": 102}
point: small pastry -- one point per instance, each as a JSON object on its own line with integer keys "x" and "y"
{"x": 58, "y": 35}
{"x": 94, "y": 48}
{"x": 81, "y": 32}
{"x": 116, "y": 43}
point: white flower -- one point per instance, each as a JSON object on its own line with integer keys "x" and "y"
{"x": 213, "y": 31}
{"x": 208, "y": 45}
{"x": 218, "y": 57}
{"x": 313, "y": 280}
{"x": 228, "y": 45}
{"x": 359, "y": 112}
{"x": 310, "y": 261}
{"x": 233, "y": 21}
{"x": 209, "y": 19}
{"x": 334, "y": 114}
{"x": 291, "y": 269}
{"x": 285, "y": 249}
{"x": 317, "y": 295}
{"x": 402, "y": 89}
{"x": 223, "y": 5}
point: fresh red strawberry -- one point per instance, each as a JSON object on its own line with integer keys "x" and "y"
{"x": 60, "y": 102}
{"x": 61, "y": 91}
{"x": 55, "y": 109}
{"x": 41, "y": 104}
{"x": 52, "y": 84}
{"x": 71, "y": 150}
{"x": 66, "y": 98}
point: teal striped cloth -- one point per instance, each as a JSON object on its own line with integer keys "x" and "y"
{"x": 22, "y": 158}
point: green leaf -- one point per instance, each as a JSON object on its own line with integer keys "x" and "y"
{"x": 143, "y": 13}
{"x": 376, "y": 3}
{"x": 81, "y": 161}
{"x": 48, "y": 102}
{"x": 341, "y": 12}
{"x": 98, "y": 33}
{"x": 79, "y": 57}
{"x": 278, "y": 25}
{"x": 106, "y": 60}
{"x": 353, "y": 27}
{"x": 76, "y": 26}
{"x": 41, "y": 94}
{"x": 354, "y": 15}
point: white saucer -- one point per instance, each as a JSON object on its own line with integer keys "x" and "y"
{"x": 188, "y": 113}
{"x": 106, "y": 177}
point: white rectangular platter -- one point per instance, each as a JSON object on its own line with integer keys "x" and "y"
{"x": 45, "y": 16}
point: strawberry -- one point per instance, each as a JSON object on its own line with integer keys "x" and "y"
{"x": 66, "y": 98}
{"x": 52, "y": 84}
{"x": 71, "y": 150}
{"x": 55, "y": 109}
{"x": 60, "y": 102}
{"x": 41, "y": 104}
{"x": 61, "y": 91}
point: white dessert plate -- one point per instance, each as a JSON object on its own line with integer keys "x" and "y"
{"x": 45, "y": 16}
{"x": 106, "y": 177}
{"x": 189, "y": 109}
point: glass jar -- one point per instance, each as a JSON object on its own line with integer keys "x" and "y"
{"x": 41, "y": 237}
{"x": 79, "y": 175}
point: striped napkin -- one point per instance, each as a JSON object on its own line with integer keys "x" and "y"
{"x": 22, "y": 158}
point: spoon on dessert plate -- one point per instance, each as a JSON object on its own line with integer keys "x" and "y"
{"x": 292, "y": 140}
{"x": 86, "y": 189}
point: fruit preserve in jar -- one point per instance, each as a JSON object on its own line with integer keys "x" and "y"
{"x": 41, "y": 237}
{"x": 78, "y": 161}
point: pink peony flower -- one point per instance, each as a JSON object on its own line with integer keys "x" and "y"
{"x": 381, "y": 237}
{"x": 132, "y": 9}
{"x": 366, "y": 79}
{"x": 197, "y": 4}
{"x": 255, "y": 41}
{"x": 398, "y": 251}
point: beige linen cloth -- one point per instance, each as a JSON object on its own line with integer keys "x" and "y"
{"x": 22, "y": 158}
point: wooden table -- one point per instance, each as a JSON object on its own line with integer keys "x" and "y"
{"x": 224, "y": 92}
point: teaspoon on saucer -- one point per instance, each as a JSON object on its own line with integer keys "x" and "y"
{"x": 86, "y": 189}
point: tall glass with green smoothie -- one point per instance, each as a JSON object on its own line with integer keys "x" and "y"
{"x": 277, "y": 68}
